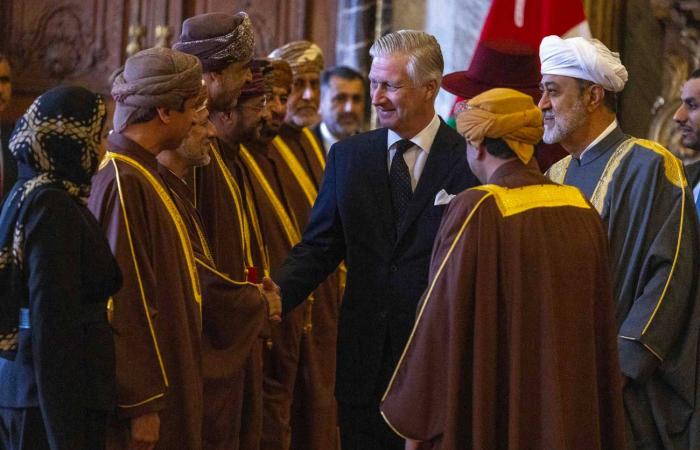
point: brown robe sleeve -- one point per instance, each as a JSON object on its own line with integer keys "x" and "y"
{"x": 233, "y": 315}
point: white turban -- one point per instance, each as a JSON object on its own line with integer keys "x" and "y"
{"x": 587, "y": 59}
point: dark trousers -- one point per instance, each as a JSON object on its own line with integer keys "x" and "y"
{"x": 23, "y": 429}
{"x": 362, "y": 427}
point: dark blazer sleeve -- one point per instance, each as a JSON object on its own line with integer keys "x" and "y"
{"x": 52, "y": 251}
{"x": 322, "y": 247}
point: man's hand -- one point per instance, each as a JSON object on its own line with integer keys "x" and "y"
{"x": 274, "y": 301}
{"x": 145, "y": 431}
{"x": 417, "y": 445}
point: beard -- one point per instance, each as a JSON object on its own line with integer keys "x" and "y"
{"x": 565, "y": 123}
{"x": 691, "y": 139}
{"x": 344, "y": 125}
{"x": 197, "y": 153}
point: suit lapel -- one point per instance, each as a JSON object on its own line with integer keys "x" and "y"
{"x": 436, "y": 169}
{"x": 378, "y": 174}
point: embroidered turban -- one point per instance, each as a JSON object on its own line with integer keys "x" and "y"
{"x": 302, "y": 56}
{"x": 277, "y": 74}
{"x": 217, "y": 39}
{"x": 256, "y": 86}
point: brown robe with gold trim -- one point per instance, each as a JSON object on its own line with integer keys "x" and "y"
{"x": 155, "y": 278}
{"x": 300, "y": 370}
{"x": 233, "y": 316}
{"x": 514, "y": 345}
{"x": 234, "y": 408}
{"x": 303, "y": 149}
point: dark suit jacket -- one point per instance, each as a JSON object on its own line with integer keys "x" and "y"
{"x": 316, "y": 130}
{"x": 387, "y": 273}
{"x": 692, "y": 172}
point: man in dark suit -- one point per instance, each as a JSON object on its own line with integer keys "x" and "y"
{"x": 8, "y": 165}
{"x": 687, "y": 117}
{"x": 342, "y": 105}
{"x": 379, "y": 209}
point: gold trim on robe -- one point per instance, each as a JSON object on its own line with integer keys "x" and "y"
{"x": 511, "y": 201}
{"x": 320, "y": 155}
{"x": 295, "y": 166}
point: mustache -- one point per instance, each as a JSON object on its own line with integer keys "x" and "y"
{"x": 306, "y": 104}
{"x": 348, "y": 115}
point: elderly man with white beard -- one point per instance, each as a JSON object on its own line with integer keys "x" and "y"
{"x": 641, "y": 192}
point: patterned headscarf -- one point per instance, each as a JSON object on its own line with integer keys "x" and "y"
{"x": 56, "y": 143}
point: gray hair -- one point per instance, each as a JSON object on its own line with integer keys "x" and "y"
{"x": 425, "y": 61}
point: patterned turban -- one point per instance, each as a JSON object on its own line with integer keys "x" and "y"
{"x": 256, "y": 86}
{"x": 587, "y": 59}
{"x": 277, "y": 74}
{"x": 217, "y": 39}
{"x": 506, "y": 114}
{"x": 302, "y": 56}
{"x": 154, "y": 78}
{"x": 56, "y": 143}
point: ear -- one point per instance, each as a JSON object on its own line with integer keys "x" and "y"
{"x": 211, "y": 77}
{"x": 431, "y": 89}
{"x": 164, "y": 115}
{"x": 480, "y": 151}
{"x": 597, "y": 94}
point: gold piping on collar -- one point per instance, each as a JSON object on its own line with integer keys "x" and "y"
{"x": 511, "y": 201}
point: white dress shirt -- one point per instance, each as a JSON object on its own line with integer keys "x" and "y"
{"x": 328, "y": 138}
{"x": 415, "y": 156}
{"x": 600, "y": 137}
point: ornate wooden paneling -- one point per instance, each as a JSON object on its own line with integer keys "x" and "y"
{"x": 53, "y": 42}
{"x": 681, "y": 44}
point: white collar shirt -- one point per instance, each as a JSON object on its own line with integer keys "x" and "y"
{"x": 417, "y": 155}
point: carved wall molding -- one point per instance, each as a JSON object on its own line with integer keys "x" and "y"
{"x": 681, "y": 19}
{"x": 54, "y": 42}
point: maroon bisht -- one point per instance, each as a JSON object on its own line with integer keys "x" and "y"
{"x": 514, "y": 344}
{"x": 157, "y": 318}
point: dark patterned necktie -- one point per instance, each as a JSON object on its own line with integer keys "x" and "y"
{"x": 400, "y": 181}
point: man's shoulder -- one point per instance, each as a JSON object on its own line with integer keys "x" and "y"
{"x": 512, "y": 201}
{"x": 373, "y": 136}
{"x": 692, "y": 170}
{"x": 643, "y": 155}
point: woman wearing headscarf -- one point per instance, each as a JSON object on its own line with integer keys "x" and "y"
{"x": 56, "y": 276}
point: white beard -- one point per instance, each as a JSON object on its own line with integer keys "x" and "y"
{"x": 565, "y": 123}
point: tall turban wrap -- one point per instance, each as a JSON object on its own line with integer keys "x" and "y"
{"x": 302, "y": 56}
{"x": 154, "y": 78}
{"x": 506, "y": 114}
{"x": 587, "y": 59}
{"x": 217, "y": 39}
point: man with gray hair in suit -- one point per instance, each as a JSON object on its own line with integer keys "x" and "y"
{"x": 377, "y": 210}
